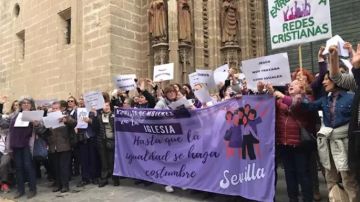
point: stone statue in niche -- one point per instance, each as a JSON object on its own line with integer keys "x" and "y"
{"x": 229, "y": 22}
{"x": 157, "y": 21}
{"x": 185, "y": 31}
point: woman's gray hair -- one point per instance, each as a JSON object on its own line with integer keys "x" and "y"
{"x": 29, "y": 99}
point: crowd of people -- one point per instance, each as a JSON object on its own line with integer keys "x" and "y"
{"x": 305, "y": 138}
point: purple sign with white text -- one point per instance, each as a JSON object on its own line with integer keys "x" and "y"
{"x": 228, "y": 148}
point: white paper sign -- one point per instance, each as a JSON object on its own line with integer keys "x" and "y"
{"x": 206, "y": 77}
{"x": 32, "y": 115}
{"x": 52, "y": 120}
{"x": 94, "y": 99}
{"x": 272, "y": 69}
{"x": 125, "y": 82}
{"x": 81, "y": 114}
{"x": 19, "y": 122}
{"x": 163, "y": 72}
{"x": 221, "y": 74}
{"x": 339, "y": 42}
{"x": 183, "y": 102}
{"x": 295, "y": 22}
{"x": 193, "y": 79}
{"x": 203, "y": 95}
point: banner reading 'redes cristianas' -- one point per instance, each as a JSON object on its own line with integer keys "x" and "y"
{"x": 227, "y": 148}
{"x": 298, "y": 21}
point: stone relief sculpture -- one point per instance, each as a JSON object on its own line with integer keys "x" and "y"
{"x": 185, "y": 31}
{"x": 229, "y": 22}
{"x": 157, "y": 21}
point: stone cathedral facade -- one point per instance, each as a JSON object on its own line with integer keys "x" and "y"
{"x": 53, "y": 48}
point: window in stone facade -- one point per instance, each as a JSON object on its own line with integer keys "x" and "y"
{"x": 16, "y": 10}
{"x": 21, "y": 44}
{"x": 65, "y": 16}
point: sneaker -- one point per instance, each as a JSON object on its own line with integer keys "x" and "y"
{"x": 18, "y": 195}
{"x": 31, "y": 194}
{"x": 95, "y": 181}
{"x": 103, "y": 183}
{"x": 82, "y": 183}
{"x": 317, "y": 196}
{"x": 56, "y": 189}
{"x": 169, "y": 189}
{"x": 5, "y": 188}
{"x": 65, "y": 189}
{"x": 116, "y": 182}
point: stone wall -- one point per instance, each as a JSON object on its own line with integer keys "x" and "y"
{"x": 108, "y": 37}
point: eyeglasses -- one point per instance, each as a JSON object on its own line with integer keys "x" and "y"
{"x": 26, "y": 103}
{"x": 70, "y": 101}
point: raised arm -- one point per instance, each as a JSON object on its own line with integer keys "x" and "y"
{"x": 346, "y": 81}
{"x": 322, "y": 70}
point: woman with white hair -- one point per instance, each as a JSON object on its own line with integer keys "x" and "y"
{"x": 20, "y": 135}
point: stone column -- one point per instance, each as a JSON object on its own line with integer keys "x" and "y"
{"x": 230, "y": 55}
{"x": 185, "y": 58}
{"x": 161, "y": 53}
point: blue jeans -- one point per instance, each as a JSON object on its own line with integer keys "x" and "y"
{"x": 296, "y": 162}
{"x": 24, "y": 168}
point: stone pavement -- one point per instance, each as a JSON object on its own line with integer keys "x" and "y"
{"x": 128, "y": 192}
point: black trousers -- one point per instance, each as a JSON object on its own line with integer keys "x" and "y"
{"x": 107, "y": 160}
{"x": 62, "y": 162}
{"x": 89, "y": 161}
{"x": 75, "y": 160}
{"x": 248, "y": 145}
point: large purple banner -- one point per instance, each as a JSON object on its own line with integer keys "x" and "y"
{"x": 227, "y": 148}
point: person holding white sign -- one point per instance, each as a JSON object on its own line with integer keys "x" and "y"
{"x": 351, "y": 82}
{"x": 170, "y": 95}
{"x": 60, "y": 148}
{"x": 105, "y": 142}
{"x": 20, "y": 144}
{"x": 234, "y": 84}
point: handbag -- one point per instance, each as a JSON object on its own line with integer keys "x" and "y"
{"x": 110, "y": 143}
{"x": 305, "y": 136}
{"x": 40, "y": 149}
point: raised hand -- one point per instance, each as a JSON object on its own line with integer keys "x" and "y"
{"x": 149, "y": 82}
{"x": 321, "y": 57}
{"x": 348, "y": 46}
{"x": 355, "y": 61}
{"x": 269, "y": 87}
{"x": 3, "y": 99}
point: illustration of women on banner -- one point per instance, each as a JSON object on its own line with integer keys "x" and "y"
{"x": 157, "y": 21}
{"x": 229, "y": 22}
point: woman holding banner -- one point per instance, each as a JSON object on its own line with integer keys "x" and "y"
{"x": 295, "y": 154}
{"x": 104, "y": 126}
